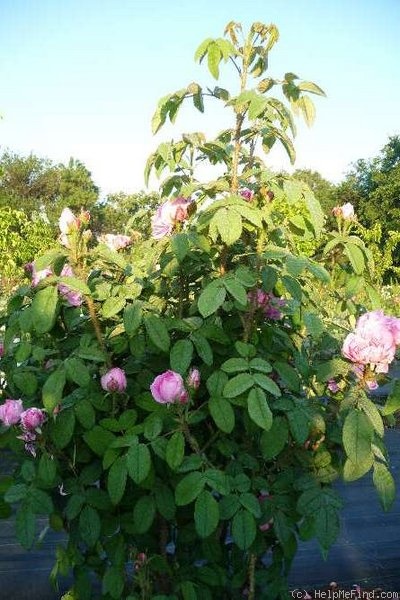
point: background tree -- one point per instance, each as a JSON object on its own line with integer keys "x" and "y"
{"x": 123, "y": 213}
{"x": 325, "y": 191}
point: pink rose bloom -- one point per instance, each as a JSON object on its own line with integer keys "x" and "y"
{"x": 73, "y": 297}
{"x": 378, "y": 352}
{"x": 272, "y": 310}
{"x": 10, "y": 412}
{"x": 116, "y": 242}
{"x": 347, "y": 211}
{"x": 247, "y": 194}
{"x": 114, "y": 380}
{"x": 394, "y": 326}
{"x": 167, "y": 215}
{"x": 67, "y": 221}
{"x": 32, "y": 418}
{"x": 258, "y": 296}
{"x": 168, "y": 388}
{"x": 193, "y": 379}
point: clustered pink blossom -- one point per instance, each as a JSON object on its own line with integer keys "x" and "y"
{"x": 114, "y": 380}
{"x": 30, "y": 420}
{"x": 167, "y": 215}
{"x": 373, "y": 343}
{"x": 346, "y": 211}
{"x": 169, "y": 388}
{"x": 116, "y": 242}
{"x": 73, "y": 298}
{"x": 268, "y": 303}
{"x": 246, "y": 194}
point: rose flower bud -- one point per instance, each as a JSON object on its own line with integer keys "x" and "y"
{"x": 32, "y": 418}
{"x": 168, "y": 388}
{"x": 193, "y": 379}
{"x": 114, "y": 380}
{"x": 10, "y": 412}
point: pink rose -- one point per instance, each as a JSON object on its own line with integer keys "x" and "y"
{"x": 259, "y": 297}
{"x": 333, "y": 386}
{"x": 39, "y": 275}
{"x": 168, "y": 388}
{"x": 10, "y": 412}
{"x": 32, "y": 418}
{"x": 114, "y": 380}
{"x": 348, "y": 211}
{"x": 374, "y": 351}
{"x": 167, "y": 215}
{"x": 116, "y": 242}
{"x": 73, "y": 298}
{"x": 193, "y": 379}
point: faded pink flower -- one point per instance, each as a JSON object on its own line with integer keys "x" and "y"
{"x": 167, "y": 215}
{"x": 378, "y": 352}
{"x": 73, "y": 297}
{"x": 114, "y": 380}
{"x": 266, "y": 526}
{"x": 67, "y": 221}
{"x": 32, "y": 418}
{"x": 29, "y": 437}
{"x": 258, "y": 296}
{"x": 333, "y": 386}
{"x": 346, "y": 211}
{"x": 246, "y": 194}
{"x": 168, "y": 388}
{"x": 39, "y": 275}
{"x": 193, "y": 379}
{"x": 10, "y": 412}
{"x": 272, "y": 310}
{"x": 116, "y": 242}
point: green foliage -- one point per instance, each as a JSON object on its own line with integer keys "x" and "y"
{"x": 240, "y": 465}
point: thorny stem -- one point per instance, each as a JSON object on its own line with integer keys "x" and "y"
{"x": 252, "y": 568}
{"x": 97, "y": 328}
{"x": 238, "y": 128}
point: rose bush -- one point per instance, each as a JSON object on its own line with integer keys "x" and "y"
{"x": 184, "y": 422}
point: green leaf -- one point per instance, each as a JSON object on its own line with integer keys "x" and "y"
{"x": 202, "y": 50}
{"x": 235, "y": 365}
{"x": 203, "y": 348}
{"x": 98, "y": 439}
{"x": 47, "y": 469}
{"x": 165, "y": 502}
{"x": 236, "y": 289}
{"x": 218, "y": 481}
{"x": 355, "y": 256}
{"x": 309, "y": 86}
{"x": 322, "y": 505}
{"x": 259, "y": 364}
{"x": 62, "y": 428}
{"x": 138, "y": 462}
{"x": 293, "y": 287}
{"x": 25, "y": 526}
{"x": 272, "y": 442}
{"x": 113, "y": 582}
{"x": 228, "y": 223}
{"x": 258, "y": 409}
{"x": 85, "y": 413}
{"x": 357, "y": 436}
{"x": 206, "y": 514}
{"x": 26, "y": 382}
{"x": 44, "y": 309}
{"x": 144, "y": 513}
{"x": 238, "y": 385}
{"x": 53, "y": 389}
{"x": 180, "y": 245}
{"x": 228, "y": 506}
{"x": 40, "y": 502}
{"x": 222, "y": 414}
{"x": 77, "y": 371}
{"x": 251, "y": 503}
{"x": 214, "y": 57}
{"x": 132, "y": 318}
{"x": 385, "y": 485}
{"x": 353, "y": 471}
{"x": 299, "y": 422}
{"x": 393, "y": 401}
{"x": 112, "y": 306}
{"x": 153, "y": 426}
{"x": 373, "y": 414}
{"x": 211, "y": 298}
{"x": 16, "y": 492}
{"x": 175, "y": 450}
{"x": 89, "y": 525}
{"x": 157, "y": 332}
{"x": 288, "y": 375}
{"x": 314, "y": 325}
{"x": 267, "y": 384}
{"x": 243, "y": 529}
{"x": 189, "y": 488}
{"x": 181, "y": 356}
{"x": 116, "y": 482}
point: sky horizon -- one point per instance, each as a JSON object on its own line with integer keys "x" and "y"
{"x": 83, "y": 78}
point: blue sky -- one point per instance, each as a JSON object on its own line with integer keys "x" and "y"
{"x": 81, "y": 78}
